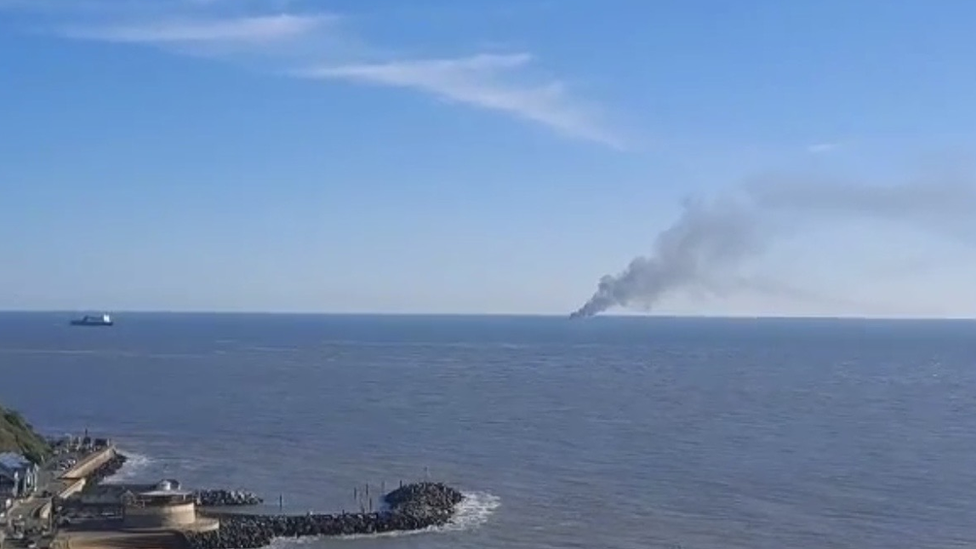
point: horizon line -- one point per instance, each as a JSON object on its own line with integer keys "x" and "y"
{"x": 659, "y": 316}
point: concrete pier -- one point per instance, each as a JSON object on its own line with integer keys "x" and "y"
{"x": 90, "y": 463}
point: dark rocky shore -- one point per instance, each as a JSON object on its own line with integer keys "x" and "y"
{"x": 107, "y": 469}
{"x": 410, "y": 507}
{"x": 226, "y": 498}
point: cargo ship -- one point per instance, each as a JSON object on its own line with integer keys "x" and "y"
{"x": 90, "y": 320}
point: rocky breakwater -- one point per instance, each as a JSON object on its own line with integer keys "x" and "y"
{"x": 226, "y": 498}
{"x": 410, "y": 507}
{"x": 107, "y": 469}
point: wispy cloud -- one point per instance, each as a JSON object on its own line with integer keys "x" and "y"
{"x": 490, "y": 81}
{"x": 255, "y": 29}
{"x": 320, "y": 46}
{"x": 821, "y": 148}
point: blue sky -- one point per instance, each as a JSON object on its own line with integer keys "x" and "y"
{"x": 465, "y": 156}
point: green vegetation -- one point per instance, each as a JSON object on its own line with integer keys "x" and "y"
{"x": 16, "y": 435}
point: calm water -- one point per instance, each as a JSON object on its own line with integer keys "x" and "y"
{"x": 615, "y": 433}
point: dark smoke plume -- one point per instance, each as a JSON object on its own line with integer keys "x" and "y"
{"x": 712, "y": 238}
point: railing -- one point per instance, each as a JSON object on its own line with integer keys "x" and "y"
{"x": 159, "y": 501}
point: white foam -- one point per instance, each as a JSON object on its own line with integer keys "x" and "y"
{"x": 471, "y": 513}
{"x": 284, "y": 543}
{"x": 133, "y": 466}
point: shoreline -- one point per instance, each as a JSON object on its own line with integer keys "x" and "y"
{"x": 73, "y": 507}
{"x": 82, "y": 511}
{"x": 410, "y": 508}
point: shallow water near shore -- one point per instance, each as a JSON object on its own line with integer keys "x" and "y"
{"x": 614, "y": 432}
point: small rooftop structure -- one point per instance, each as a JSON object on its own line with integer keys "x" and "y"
{"x": 167, "y": 489}
{"x": 164, "y": 492}
{"x": 168, "y": 484}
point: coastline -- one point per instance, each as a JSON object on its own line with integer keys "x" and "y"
{"x": 74, "y": 508}
{"x": 411, "y": 507}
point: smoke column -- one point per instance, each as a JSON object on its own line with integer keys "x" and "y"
{"x": 707, "y": 237}
{"x": 711, "y": 238}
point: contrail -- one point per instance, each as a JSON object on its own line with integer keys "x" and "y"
{"x": 711, "y": 238}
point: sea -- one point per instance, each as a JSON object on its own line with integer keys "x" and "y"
{"x": 610, "y": 432}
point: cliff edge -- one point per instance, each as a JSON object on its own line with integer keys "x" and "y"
{"x": 17, "y": 435}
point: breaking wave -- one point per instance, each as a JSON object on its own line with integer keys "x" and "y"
{"x": 132, "y": 468}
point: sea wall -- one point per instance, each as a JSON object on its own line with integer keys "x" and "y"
{"x": 226, "y": 498}
{"x": 106, "y": 468}
{"x": 68, "y": 489}
{"x": 411, "y": 507}
{"x": 72, "y": 487}
{"x": 91, "y": 463}
{"x": 44, "y": 511}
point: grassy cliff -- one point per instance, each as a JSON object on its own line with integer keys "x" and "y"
{"x": 16, "y": 435}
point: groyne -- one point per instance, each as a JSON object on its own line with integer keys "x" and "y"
{"x": 90, "y": 463}
{"x": 107, "y": 468}
{"x": 410, "y": 507}
{"x": 226, "y": 498}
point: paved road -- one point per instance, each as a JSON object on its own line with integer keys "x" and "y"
{"x": 27, "y": 510}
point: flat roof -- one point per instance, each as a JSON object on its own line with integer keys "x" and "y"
{"x": 13, "y": 460}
